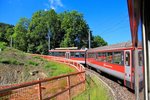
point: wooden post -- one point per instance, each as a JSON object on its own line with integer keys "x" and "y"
{"x": 39, "y": 90}
{"x": 68, "y": 82}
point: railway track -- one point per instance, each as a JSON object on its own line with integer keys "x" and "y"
{"x": 117, "y": 89}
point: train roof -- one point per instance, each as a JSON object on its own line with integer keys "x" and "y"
{"x": 122, "y": 45}
{"x": 67, "y": 48}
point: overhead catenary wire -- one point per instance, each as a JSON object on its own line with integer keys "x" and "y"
{"x": 110, "y": 24}
{"x": 116, "y": 26}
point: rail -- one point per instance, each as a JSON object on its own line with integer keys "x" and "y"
{"x": 60, "y": 87}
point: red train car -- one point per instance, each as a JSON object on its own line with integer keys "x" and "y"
{"x": 68, "y": 53}
{"x": 116, "y": 60}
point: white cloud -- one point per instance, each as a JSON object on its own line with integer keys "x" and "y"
{"x": 54, "y": 4}
{"x": 45, "y": 9}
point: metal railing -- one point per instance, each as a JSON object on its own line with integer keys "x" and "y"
{"x": 63, "y": 87}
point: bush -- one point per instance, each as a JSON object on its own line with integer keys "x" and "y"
{"x": 10, "y": 61}
{"x": 2, "y": 45}
{"x": 33, "y": 63}
{"x": 5, "y": 61}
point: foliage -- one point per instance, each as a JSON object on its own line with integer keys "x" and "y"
{"x": 2, "y": 45}
{"x": 64, "y": 29}
{"x": 33, "y": 63}
{"x": 74, "y": 26}
{"x": 57, "y": 68}
{"x": 20, "y": 34}
{"x": 6, "y": 31}
{"x": 17, "y": 66}
{"x": 10, "y": 61}
{"x": 98, "y": 41}
{"x": 37, "y": 33}
{"x": 94, "y": 90}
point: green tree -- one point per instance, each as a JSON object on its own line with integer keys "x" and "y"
{"x": 37, "y": 32}
{"x": 74, "y": 25}
{"x": 54, "y": 24}
{"x": 20, "y": 34}
{"x": 98, "y": 41}
{"x": 2, "y": 45}
{"x": 6, "y": 30}
{"x": 9, "y": 34}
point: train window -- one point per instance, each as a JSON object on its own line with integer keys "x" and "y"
{"x": 91, "y": 55}
{"x": 72, "y": 54}
{"x": 101, "y": 56}
{"x": 77, "y": 54}
{"x": 117, "y": 58}
{"x": 127, "y": 62}
{"x": 62, "y": 54}
{"x": 82, "y": 55}
{"x": 140, "y": 58}
{"x": 109, "y": 57}
{"x": 50, "y": 53}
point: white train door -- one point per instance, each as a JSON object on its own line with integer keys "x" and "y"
{"x": 67, "y": 55}
{"x": 127, "y": 65}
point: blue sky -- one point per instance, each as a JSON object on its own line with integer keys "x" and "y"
{"x": 107, "y": 18}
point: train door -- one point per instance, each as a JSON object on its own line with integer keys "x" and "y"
{"x": 127, "y": 65}
{"x": 67, "y": 55}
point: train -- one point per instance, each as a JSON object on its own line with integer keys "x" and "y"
{"x": 70, "y": 53}
{"x": 115, "y": 60}
{"x": 125, "y": 60}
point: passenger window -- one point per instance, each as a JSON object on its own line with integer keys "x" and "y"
{"x": 127, "y": 55}
{"x": 109, "y": 57}
{"x": 62, "y": 54}
{"x": 72, "y": 54}
{"x": 101, "y": 56}
{"x": 117, "y": 58}
{"x": 77, "y": 55}
{"x": 82, "y": 55}
{"x": 91, "y": 55}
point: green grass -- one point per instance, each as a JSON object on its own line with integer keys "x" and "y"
{"x": 10, "y": 61}
{"x": 33, "y": 63}
{"x": 21, "y": 64}
{"x": 94, "y": 90}
{"x": 57, "y": 68}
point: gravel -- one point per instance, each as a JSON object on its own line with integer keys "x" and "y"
{"x": 121, "y": 92}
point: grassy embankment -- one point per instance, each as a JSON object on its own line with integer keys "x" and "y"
{"x": 17, "y": 66}
{"x": 95, "y": 90}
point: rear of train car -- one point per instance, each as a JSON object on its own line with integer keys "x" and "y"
{"x": 116, "y": 60}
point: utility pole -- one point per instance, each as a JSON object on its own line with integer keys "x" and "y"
{"x": 11, "y": 41}
{"x": 89, "y": 39}
{"x": 49, "y": 39}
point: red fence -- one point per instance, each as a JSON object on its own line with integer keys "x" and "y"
{"x": 74, "y": 64}
{"x": 62, "y": 87}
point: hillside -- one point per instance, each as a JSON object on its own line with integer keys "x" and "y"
{"x": 17, "y": 67}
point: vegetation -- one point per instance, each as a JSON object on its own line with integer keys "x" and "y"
{"x": 64, "y": 30}
{"x": 56, "y": 70}
{"x": 94, "y": 90}
{"x": 17, "y": 66}
{"x": 2, "y": 45}
{"x": 6, "y": 31}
